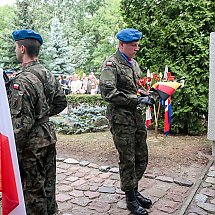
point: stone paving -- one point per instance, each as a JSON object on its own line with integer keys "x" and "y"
{"x": 203, "y": 203}
{"x": 86, "y": 188}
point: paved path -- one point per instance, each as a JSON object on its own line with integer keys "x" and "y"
{"x": 85, "y": 188}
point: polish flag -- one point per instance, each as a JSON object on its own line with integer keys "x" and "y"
{"x": 148, "y": 117}
{"x": 10, "y": 181}
{"x": 167, "y": 116}
{"x": 165, "y": 77}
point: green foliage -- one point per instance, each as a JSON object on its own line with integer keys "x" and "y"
{"x": 57, "y": 50}
{"x": 176, "y": 33}
{"x": 83, "y": 119}
{"x": 7, "y": 54}
{"x": 75, "y": 100}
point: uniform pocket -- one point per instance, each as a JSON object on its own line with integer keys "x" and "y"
{"x": 16, "y": 103}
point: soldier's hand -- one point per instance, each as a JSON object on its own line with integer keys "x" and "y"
{"x": 147, "y": 100}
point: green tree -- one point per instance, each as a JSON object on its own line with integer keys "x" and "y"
{"x": 7, "y": 54}
{"x": 176, "y": 33}
{"x": 57, "y": 50}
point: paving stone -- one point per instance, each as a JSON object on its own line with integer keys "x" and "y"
{"x": 119, "y": 191}
{"x": 64, "y": 166}
{"x": 83, "y": 187}
{"x": 212, "y": 168}
{"x": 211, "y": 174}
{"x": 151, "y": 176}
{"x": 206, "y": 185}
{"x": 64, "y": 188}
{"x": 164, "y": 179}
{"x": 72, "y": 179}
{"x": 77, "y": 193}
{"x": 73, "y": 169}
{"x": 201, "y": 198}
{"x": 122, "y": 204}
{"x": 63, "y": 197}
{"x": 85, "y": 169}
{"x": 146, "y": 183}
{"x": 109, "y": 182}
{"x": 93, "y": 165}
{"x": 96, "y": 179}
{"x": 65, "y": 206}
{"x": 59, "y": 170}
{"x": 179, "y": 189}
{"x": 111, "y": 199}
{"x": 104, "y": 189}
{"x": 81, "y": 201}
{"x": 212, "y": 201}
{"x": 58, "y": 159}
{"x": 154, "y": 192}
{"x": 158, "y": 212}
{"x": 82, "y": 211}
{"x": 166, "y": 205}
{"x": 94, "y": 188}
{"x": 104, "y": 168}
{"x": 176, "y": 197}
{"x": 114, "y": 170}
{"x": 105, "y": 175}
{"x": 210, "y": 180}
{"x": 80, "y": 174}
{"x": 115, "y": 177}
{"x": 162, "y": 185}
{"x": 78, "y": 182}
{"x": 197, "y": 210}
{"x": 208, "y": 192}
{"x": 60, "y": 177}
{"x": 117, "y": 184}
{"x": 118, "y": 211}
{"x": 99, "y": 206}
{"x": 183, "y": 182}
{"x": 92, "y": 195}
{"x": 207, "y": 206}
{"x": 84, "y": 163}
{"x": 64, "y": 182}
{"x": 71, "y": 161}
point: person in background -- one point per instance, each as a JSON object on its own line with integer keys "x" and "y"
{"x": 84, "y": 80}
{"x": 118, "y": 85}
{"x": 34, "y": 95}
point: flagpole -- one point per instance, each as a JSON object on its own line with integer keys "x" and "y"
{"x": 156, "y": 123}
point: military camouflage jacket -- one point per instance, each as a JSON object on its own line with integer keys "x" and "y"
{"x": 118, "y": 83}
{"x": 32, "y": 100}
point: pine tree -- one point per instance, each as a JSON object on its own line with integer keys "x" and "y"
{"x": 57, "y": 50}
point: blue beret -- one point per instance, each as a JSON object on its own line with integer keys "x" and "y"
{"x": 8, "y": 71}
{"x": 128, "y": 35}
{"x": 26, "y": 34}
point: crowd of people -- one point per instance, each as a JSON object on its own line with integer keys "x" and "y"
{"x": 75, "y": 84}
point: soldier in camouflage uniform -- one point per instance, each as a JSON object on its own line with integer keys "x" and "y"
{"x": 34, "y": 95}
{"x": 118, "y": 82}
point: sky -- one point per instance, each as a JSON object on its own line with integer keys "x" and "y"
{"x": 3, "y": 2}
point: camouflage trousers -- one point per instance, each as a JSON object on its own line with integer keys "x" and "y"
{"x": 130, "y": 142}
{"x": 38, "y": 174}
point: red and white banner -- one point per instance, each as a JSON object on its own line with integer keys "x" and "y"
{"x": 148, "y": 117}
{"x": 10, "y": 181}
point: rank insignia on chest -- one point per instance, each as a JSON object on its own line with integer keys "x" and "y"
{"x": 16, "y": 86}
{"x": 109, "y": 63}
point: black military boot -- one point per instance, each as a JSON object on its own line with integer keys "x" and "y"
{"x": 133, "y": 205}
{"x": 144, "y": 202}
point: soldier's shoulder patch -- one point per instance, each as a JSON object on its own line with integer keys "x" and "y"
{"x": 109, "y": 63}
